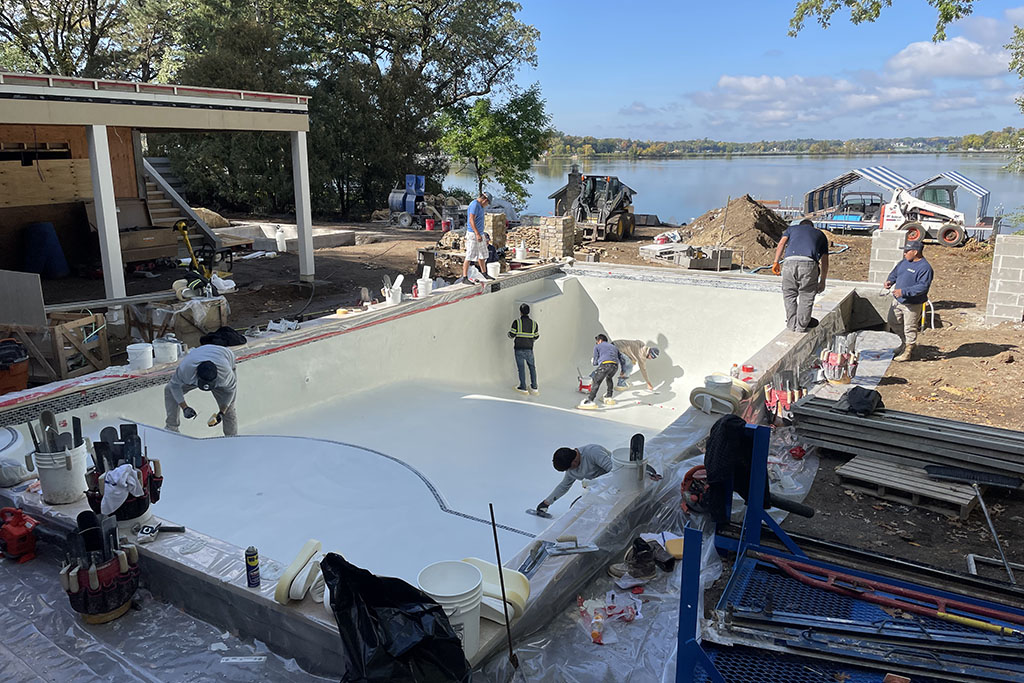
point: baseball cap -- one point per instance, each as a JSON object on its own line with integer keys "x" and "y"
{"x": 653, "y": 352}
{"x": 206, "y": 373}
{"x": 917, "y": 246}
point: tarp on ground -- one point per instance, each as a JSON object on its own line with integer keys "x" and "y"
{"x": 830, "y": 195}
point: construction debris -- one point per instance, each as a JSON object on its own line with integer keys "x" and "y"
{"x": 745, "y": 226}
{"x": 212, "y": 218}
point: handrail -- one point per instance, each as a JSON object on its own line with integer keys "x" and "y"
{"x": 181, "y": 204}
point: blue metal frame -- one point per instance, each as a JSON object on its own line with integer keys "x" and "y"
{"x": 689, "y": 652}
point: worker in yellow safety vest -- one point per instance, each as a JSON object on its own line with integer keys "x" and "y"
{"x": 524, "y": 332}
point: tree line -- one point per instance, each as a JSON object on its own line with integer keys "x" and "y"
{"x": 585, "y": 146}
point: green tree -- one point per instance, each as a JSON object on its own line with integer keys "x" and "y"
{"x": 499, "y": 142}
{"x": 868, "y": 10}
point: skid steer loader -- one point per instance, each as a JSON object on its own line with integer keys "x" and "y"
{"x": 923, "y": 219}
{"x": 604, "y": 208}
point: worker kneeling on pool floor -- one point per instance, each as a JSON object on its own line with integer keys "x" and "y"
{"x": 578, "y": 464}
{"x": 210, "y": 368}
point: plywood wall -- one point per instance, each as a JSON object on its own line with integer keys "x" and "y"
{"x": 122, "y": 153}
{"x": 47, "y": 181}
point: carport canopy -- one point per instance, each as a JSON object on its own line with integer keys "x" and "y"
{"x": 830, "y": 195}
{"x": 963, "y": 181}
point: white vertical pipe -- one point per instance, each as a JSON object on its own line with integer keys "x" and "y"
{"x": 303, "y": 219}
{"x": 106, "y": 211}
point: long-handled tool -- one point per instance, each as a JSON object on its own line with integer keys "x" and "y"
{"x": 973, "y": 478}
{"x": 504, "y": 600}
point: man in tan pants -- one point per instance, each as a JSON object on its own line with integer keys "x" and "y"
{"x": 909, "y": 282}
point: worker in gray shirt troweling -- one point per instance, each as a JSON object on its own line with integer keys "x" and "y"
{"x": 209, "y": 368}
{"x": 804, "y": 272}
{"x": 586, "y": 462}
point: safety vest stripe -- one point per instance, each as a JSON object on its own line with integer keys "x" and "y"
{"x": 516, "y": 329}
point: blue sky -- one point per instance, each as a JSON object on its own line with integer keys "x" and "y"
{"x": 728, "y": 70}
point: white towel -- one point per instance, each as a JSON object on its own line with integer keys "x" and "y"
{"x": 118, "y": 483}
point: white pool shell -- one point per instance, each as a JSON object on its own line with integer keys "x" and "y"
{"x": 386, "y": 441}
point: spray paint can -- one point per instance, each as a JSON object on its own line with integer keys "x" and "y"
{"x": 252, "y": 567}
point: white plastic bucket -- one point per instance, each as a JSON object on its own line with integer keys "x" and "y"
{"x": 520, "y": 253}
{"x": 59, "y": 484}
{"x": 627, "y": 475}
{"x": 494, "y": 269}
{"x": 458, "y": 587}
{"x": 719, "y": 385}
{"x": 140, "y": 356}
{"x": 165, "y": 351}
{"x": 423, "y": 287}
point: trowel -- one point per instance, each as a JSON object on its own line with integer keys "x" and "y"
{"x": 540, "y": 513}
{"x": 570, "y": 545}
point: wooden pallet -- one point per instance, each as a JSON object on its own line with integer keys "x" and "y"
{"x": 907, "y": 485}
{"x": 57, "y": 350}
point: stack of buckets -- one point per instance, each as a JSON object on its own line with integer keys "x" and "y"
{"x": 458, "y": 587}
{"x": 61, "y": 474}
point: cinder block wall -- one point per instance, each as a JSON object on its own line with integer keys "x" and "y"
{"x": 495, "y": 225}
{"x": 1006, "y": 288}
{"x": 886, "y": 251}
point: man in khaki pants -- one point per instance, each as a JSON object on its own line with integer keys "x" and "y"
{"x": 909, "y": 281}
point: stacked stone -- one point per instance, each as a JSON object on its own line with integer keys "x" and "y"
{"x": 495, "y": 225}
{"x": 886, "y": 252}
{"x": 557, "y": 237}
{"x": 1006, "y": 288}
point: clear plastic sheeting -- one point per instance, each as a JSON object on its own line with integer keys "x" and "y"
{"x": 43, "y": 639}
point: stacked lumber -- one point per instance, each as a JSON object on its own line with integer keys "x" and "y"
{"x": 910, "y": 439}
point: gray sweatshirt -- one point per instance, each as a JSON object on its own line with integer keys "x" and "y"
{"x": 185, "y": 376}
{"x": 595, "y": 461}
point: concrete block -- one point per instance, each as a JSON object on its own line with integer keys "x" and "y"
{"x": 1008, "y": 286}
{"x": 1003, "y": 313}
{"x": 1011, "y": 274}
{"x": 1004, "y": 298}
{"x": 1010, "y": 244}
{"x": 1007, "y": 262}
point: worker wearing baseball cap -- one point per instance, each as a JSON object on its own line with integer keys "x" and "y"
{"x": 635, "y": 353}
{"x": 909, "y": 282}
{"x": 208, "y": 368}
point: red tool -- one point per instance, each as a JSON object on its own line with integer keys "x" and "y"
{"x": 16, "y": 537}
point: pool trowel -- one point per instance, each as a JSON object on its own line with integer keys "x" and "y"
{"x": 539, "y": 513}
{"x": 569, "y": 545}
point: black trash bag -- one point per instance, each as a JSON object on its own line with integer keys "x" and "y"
{"x": 859, "y": 401}
{"x": 391, "y": 631}
{"x": 223, "y": 336}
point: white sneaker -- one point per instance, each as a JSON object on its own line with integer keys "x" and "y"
{"x": 522, "y": 391}
{"x": 587, "y": 404}
{"x": 609, "y": 401}
{"x": 535, "y": 392}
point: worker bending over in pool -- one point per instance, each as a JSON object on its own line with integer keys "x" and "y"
{"x": 634, "y": 353}
{"x": 210, "y": 368}
{"x": 578, "y": 464}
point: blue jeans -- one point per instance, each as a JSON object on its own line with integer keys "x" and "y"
{"x": 624, "y": 372}
{"x": 524, "y": 359}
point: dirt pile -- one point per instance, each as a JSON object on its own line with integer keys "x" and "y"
{"x": 749, "y": 227}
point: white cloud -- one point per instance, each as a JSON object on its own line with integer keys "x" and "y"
{"x": 636, "y": 109}
{"x": 954, "y": 58}
{"x": 1015, "y": 15}
{"x": 955, "y": 103}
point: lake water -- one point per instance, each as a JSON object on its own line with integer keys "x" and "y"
{"x": 678, "y": 190}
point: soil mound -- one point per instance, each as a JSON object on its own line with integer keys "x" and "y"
{"x": 749, "y": 226}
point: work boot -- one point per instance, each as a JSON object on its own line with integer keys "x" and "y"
{"x": 521, "y": 390}
{"x": 486, "y": 276}
{"x": 587, "y": 404}
{"x": 639, "y": 562}
{"x": 609, "y": 401}
{"x": 908, "y": 352}
{"x": 462, "y": 281}
{"x": 662, "y": 557}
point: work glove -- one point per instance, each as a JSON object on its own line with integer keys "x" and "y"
{"x": 188, "y": 412}
{"x": 215, "y": 419}
{"x": 542, "y": 507}
{"x": 776, "y": 268}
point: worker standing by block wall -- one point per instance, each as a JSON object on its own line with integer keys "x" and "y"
{"x": 476, "y": 245}
{"x": 909, "y": 281}
{"x": 803, "y": 253}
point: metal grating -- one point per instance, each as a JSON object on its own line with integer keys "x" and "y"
{"x": 746, "y": 665}
{"x": 759, "y": 585}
